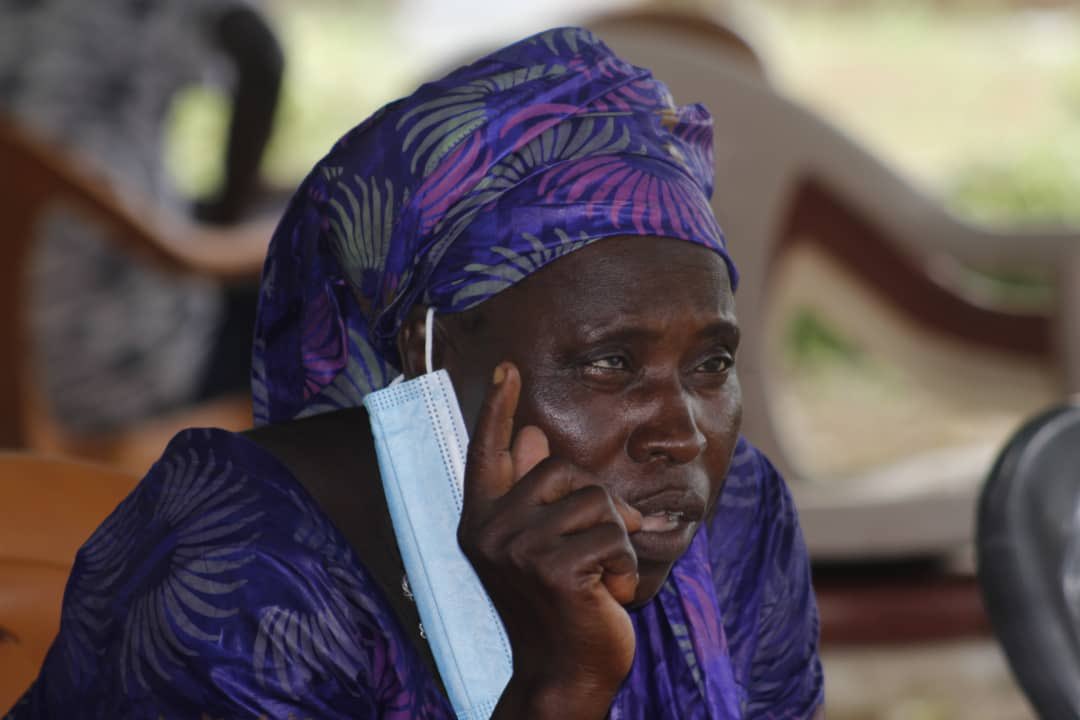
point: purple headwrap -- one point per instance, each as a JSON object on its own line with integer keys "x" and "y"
{"x": 459, "y": 191}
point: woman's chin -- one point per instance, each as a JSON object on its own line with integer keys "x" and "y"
{"x": 650, "y": 580}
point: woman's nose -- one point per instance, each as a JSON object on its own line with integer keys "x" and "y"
{"x": 667, "y": 430}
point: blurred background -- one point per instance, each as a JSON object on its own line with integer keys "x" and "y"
{"x": 974, "y": 103}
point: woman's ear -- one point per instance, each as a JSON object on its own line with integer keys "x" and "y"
{"x": 410, "y": 342}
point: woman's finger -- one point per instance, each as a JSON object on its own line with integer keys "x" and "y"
{"x": 548, "y": 481}
{"x": 489, "y": 468}
{"x": 551, "y": 479}
{"x": 631, "y": 516}
{"x": 604, "y": 550}
{"x": 530, "y": 447}
{"x": 582, "y": 509}
{"x": 622, "y": 586}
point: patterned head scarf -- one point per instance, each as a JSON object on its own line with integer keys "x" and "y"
{"x": 460, "y": 190}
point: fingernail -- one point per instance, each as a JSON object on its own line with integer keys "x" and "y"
{"x": 499, "y": 376}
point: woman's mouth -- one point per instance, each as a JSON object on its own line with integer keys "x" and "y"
{"x": 668, "y": 521}
{"x": 661, "y": 522}
{"x": 663, "y": 537}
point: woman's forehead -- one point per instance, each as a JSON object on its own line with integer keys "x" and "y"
{"x": 629, "y": 276}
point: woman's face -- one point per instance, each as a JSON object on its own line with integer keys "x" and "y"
{"x": 626, "y": 350}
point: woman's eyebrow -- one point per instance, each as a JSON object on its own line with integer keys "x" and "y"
{"x": 626, "y": 329}
{"x": 726, "y": 329}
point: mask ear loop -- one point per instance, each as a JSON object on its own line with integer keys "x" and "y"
{"x": 429, "y": 339}
{"x": 429, "y": 343}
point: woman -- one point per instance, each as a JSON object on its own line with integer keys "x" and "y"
{"x": 549, "y": 203}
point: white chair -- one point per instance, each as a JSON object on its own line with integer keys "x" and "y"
{"x": 784, "y": 176}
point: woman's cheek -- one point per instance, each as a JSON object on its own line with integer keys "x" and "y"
{"x": 580, "y": 424}
{"x": 730, "y": 408}
{"x": 723, "y": 437}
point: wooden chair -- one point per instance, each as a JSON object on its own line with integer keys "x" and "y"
{"x": 48, "y": 508}
{"x": 35, "y": 177}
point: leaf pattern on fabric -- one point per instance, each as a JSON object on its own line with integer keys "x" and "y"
{"x": 293, "y": 647}
{"x": 562, "y": 144}
{"x": 439, "y": 193}
{"x": 260, "y": 391}
{"x": 516, "y": 266}
{"x": 321, "y": 349}
{"x": 686, "y": 645}
{"x": 639, "y": 198}
{"x": 437, "y": 126}
{"x": 361, "y": 230}
{"x": 563, "y": 41}
{"x": 582, "y": 137}
{"x": 208, "y": 537}
{"x": 761, "y": 573}
{"x": 98, "y": 564}
{"x": 364, "y": 371}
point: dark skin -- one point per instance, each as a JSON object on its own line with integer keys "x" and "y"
{"x": 615, "y": 365}
{"x": 604, "y": 409}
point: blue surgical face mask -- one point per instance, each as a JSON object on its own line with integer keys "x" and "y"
{"x": 421, "y": 441}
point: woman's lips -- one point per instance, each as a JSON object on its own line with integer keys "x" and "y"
{"x": 663, "y": 537}
{"x": 668, "y": 521}
{"x": 659, "y": 522}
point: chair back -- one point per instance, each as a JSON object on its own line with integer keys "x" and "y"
{"x": 36, "y": 177}
{"x": 1028, "y": 542}
{"x": 685, "y": 32}
{"x": 48, "y": 508}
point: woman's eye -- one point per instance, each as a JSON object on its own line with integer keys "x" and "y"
{"x": 609, "y": 362}
{"x": 717, "y": 364}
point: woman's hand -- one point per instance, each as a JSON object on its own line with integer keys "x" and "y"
{"x": 552, "y": 549}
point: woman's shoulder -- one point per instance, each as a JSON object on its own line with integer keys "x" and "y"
{"x": 208, "y": 475}
{"x": 755, "y": 496}
{"x": 219, "y": 578}
{"x": 754, "y": 536}
{"x": 761, "y": 570}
